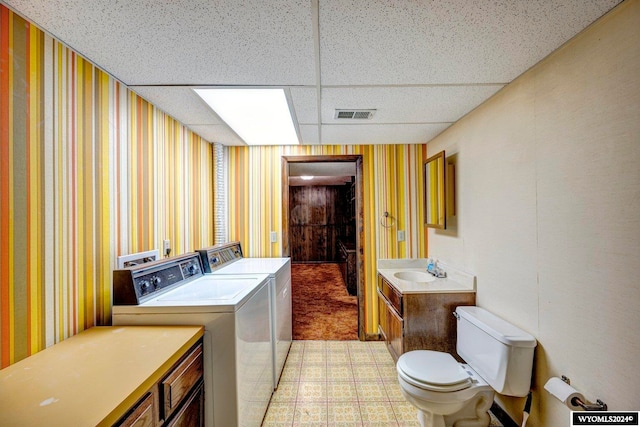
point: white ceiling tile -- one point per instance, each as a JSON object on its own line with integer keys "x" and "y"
{"x": 380, "y": 134}
{"x": 406, "y": 104}
{"x": 309, "y": 134}
{"x": 180, "y": 102}
{"x": 186, "y": 41}
{"x": 454, "y": 41}
{"x": 305, "y": 103}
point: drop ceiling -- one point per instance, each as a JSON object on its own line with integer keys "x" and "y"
{"x": 421, "y": 64}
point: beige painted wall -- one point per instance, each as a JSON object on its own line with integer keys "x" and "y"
{"x": 548, "y": 203}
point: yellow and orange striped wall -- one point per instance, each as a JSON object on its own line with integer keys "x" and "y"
{"x": 392, "y": 183}
{"x": 88, "y": 171}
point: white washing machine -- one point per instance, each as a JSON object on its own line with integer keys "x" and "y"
{"x": 236, "y": 313}
{"x": 226, "y": 259}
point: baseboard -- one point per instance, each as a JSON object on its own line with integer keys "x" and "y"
{"x": 502, "y": 416}
{"x": 372, "y": 337}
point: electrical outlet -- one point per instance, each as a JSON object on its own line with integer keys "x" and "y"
{"x": 400, "y": 235}
{"x": 166, "y": 247}
{"x": 274, "y": 236}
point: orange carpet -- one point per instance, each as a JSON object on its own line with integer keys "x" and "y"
{"x": 322, "y": 307}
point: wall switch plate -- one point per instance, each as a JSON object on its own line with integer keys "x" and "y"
{"x": 400, "y": 235}
{"x": 274, "y": 236}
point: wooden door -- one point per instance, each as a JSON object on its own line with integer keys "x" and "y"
{"x": 317, "y": 221}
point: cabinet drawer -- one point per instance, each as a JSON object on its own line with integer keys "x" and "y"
{"x": 181, "y": 380}
{"x": 192, "y": 412}
{"x": 391, "y": 295}
{"x": 142, "y": 414}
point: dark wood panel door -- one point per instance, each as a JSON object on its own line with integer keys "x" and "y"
{"x": 318, "y": 219}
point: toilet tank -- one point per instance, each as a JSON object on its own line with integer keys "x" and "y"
{"x": 501, "y": 353}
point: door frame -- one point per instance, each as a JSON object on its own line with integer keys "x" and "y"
{"x": 359, "y": 216}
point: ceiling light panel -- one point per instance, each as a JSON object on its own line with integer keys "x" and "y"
{"x": 258, "y": 116}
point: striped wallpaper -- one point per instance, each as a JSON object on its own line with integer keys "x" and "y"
{"x": 392, "y": 183}
{"x": 88, "y": 171}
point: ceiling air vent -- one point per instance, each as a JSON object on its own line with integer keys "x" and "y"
{"x": 354, "y": 114}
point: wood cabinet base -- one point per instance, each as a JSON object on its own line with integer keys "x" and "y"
{"x": 176, "y": 400}
{"x": 418, "y": 321}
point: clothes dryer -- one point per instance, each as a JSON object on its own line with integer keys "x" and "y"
{"x": 227, "y": 259}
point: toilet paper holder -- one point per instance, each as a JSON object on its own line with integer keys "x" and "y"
{"x": 598, "y": 406}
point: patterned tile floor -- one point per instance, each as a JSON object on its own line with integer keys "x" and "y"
{"x": 340, "y": 383}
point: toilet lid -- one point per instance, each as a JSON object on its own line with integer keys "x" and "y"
{"x": 433, "y": 370}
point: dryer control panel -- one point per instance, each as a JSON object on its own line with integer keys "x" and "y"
{"x": 218, "y": 256}
{"x": 135, "y": 285}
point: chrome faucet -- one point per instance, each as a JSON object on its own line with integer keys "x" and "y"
{"x": 435, "y": 270}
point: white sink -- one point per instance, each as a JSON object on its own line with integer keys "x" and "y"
{"x": 414, "y": 276}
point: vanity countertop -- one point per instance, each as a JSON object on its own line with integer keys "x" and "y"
{"x": 456, "y": 280}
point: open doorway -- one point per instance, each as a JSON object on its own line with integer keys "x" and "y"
{"x": 330, "y": 234}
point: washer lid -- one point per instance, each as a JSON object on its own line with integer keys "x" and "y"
{"x": 433, "y": 367}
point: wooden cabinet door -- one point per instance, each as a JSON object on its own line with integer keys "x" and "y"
{"x": 382, "y": 317}
{"x": 390, "y": 326}
{"x": 395, "y": 334}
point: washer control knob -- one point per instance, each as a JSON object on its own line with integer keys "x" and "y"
{"x": 144, "y": 286}
{"x": 193, "y": 269}
{"x": 214, "y": 260}
{"x": 155, "y": 281}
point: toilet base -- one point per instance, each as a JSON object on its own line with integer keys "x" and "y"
{"x": 429, "y": 419}
{"x": 473, "y": 414}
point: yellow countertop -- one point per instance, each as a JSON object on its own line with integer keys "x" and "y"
{"x": 91, "y": 378}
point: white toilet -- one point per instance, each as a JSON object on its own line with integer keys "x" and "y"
{"x": 499, "y": 359}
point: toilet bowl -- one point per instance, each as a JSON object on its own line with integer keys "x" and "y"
{"x": 444, "y": 390}
{"x": 499, "y": 359}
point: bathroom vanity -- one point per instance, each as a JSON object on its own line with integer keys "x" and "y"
{"x": 416, "y": 309}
